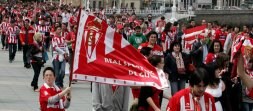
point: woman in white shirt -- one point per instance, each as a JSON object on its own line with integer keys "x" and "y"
{"x": 216, "y": 86}
{"x": 216, "y": 90}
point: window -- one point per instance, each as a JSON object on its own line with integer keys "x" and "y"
{"x": 114, "y": 1}
{"x": 94, "y": 4}
{"x": 132, "y": 5}
{"x": 99, "y": 4}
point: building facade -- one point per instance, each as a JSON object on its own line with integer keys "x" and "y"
{"x": 94, "y": 4}
{"x": 182, "y": 5}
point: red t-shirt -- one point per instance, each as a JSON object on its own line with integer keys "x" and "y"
{"x": 64, "y": 33}
{"x": 73, "y": 20}
{"x": 47, "y": 92}
{"x": 210, "y": 58}
{"x": 136, "y": 92}
{"x": 71, "y": 36}
{"x": 147, "y": 92}
{"x": 221, "y": 36}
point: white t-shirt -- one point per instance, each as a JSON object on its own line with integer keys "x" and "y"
{"x": 216, "y": 93}
{"x": 65, "y": 17}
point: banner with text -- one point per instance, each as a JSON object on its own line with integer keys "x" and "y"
{"x": 102, "y": 55}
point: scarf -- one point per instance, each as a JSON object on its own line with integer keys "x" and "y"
{"x": 179, "y": 62}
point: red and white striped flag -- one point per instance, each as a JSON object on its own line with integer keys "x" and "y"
{"x": 191, "y": 35}
{"x": 104, "y": 56}
{"x": 240, "y": 44}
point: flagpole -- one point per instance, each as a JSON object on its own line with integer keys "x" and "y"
{"x": 73, "y": 53}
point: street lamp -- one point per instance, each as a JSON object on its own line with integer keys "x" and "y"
{"x": 173, "y": 14}
{"x": 88, "y": 5}
{"x": 120, "y": 1}
{"x": 114, "y": 4}
{"x": 164, "y": 5}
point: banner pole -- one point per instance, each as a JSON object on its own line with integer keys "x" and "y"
{"x": 73, "y": 53}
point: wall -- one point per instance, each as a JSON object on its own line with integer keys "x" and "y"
{"x": 233, "y": 17}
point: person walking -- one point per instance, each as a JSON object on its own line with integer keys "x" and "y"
{"x": 60, "y": 56}
{"x": 150, "y": 98}
{"x": 12, "y": 40}
{"x": 176, "y": 64}
{"x": 26, "y": 38}
{"x": 37, "y": 59}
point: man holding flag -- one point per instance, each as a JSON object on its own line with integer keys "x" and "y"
{"x": 98, "y": 45}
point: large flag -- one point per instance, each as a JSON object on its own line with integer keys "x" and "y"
{"x": 102, "y": 55}
{"x": 191, "y": 35}
{"x": 244, "y": 45}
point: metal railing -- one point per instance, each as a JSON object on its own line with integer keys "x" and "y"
{"x": 136, "y": 11}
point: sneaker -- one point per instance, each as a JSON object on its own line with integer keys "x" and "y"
{"x": 10, "y": 61}
{"x": 32, "y": 85}
{"x": 28, "y": 66}
{"x": 74, "y": 82}
{"x": 36, "y": 90}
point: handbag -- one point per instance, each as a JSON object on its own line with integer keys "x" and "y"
{"x": 39, "y": 60}
{"x": 191, "y": 68}
{"x": 249, "y": 93}
{"x": 134, "y": 107}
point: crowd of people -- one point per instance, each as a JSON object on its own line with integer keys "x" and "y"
{"x": 215, "y": 84}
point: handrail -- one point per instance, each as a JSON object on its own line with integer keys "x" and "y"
{"x": 136, "y": 11}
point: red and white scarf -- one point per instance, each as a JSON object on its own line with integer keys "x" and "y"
{"x": 179, "y": 61}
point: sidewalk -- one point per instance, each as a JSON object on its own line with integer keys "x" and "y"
{"x": 16, "y": 94}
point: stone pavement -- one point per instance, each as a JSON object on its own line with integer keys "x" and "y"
{"x": 16, "y": 94}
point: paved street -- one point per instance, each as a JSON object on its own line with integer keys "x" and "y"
{"x": 16, "y": 94}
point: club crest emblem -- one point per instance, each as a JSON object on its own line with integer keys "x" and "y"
{"x": 92, "y": 34}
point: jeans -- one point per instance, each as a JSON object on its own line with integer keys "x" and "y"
{"x": 47, "y": 42}
{"x": 5, "y": 43}
{"x": 19, "y": 43}
{"x": 36, "y": 70}
{"x": 177, "y": 85}
{"x": 26, "y": 54}
{"x": 12, "y": 51}
{"x": 247, "y": 106}
{"x": 59, "y": 68}
{"x": 3, "y": 40}
{"x": 70, "y": 61}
